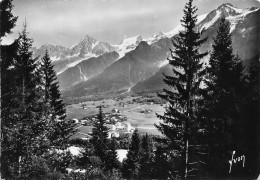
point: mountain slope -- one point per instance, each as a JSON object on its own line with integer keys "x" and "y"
{"x": 154, "y": 83}
{"x": 86, "y": 69}
{"x": 245, "y": 36}
{"x": 134, "y": 67}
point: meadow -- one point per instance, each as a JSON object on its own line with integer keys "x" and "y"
{"x": 141, "y": 115}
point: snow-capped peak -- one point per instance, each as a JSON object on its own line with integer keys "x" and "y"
{"x": 228, "y": 11}
{"x": 236, "y": 18}
{"x": 209, "y": 20}
{"x": 158, "y": 35}
{"x": 128, "y": 45}
{"x": 88, "y": 38}
{"x": 155, "y": 37}
{"x": 132, "y": 40}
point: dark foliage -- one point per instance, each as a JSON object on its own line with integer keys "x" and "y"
{"x": 230, "y": 110}
{"x": 180, "y": 123}
{"x": 112, "y": 162}
{"x": 27, "y": 124}
{"x": 23, "y": 125}
{"x": 131, "y": 165}
{"x": 60, "y": 128}
{"x": 99, "y": 137}
{"x": 146, "y": 157}
{"x": 6, "y": 17}
{"x": 160, "y": 164}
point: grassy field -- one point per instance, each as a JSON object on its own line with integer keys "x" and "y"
{"x": 133, "y": 111}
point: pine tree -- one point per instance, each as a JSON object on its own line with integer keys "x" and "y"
{"x": 23, "y": 124}
{"x": 7, "y": 89}
{"x": 7, "y": 19}
{"x": 146, "y": 157}
{"x": 100, "y": 136}
{"x": 180, "y": 120}
{"x": 160, "y": 165}
{"x": 251, "y": 114}
{"x": 7, "y": 23}
{"x": 222, "y": 98}
{"x": 112, "y": 162}
{"x": 60, "y": 128}
{"x": 131, "y": 165}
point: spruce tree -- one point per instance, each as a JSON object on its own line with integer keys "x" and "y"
{"x": 112, "y": 162}
{"x": 24, "y": 132}
{"x": 160, "y": 164}
{"x": 251, "y": 114}
{"x": 7, "y": 23}
{"x": 180, "y": 118}
{"x": 222, "y": 99}
{"x": 100, "y": 136}
{"x": 8, "y": 20}
{"x": 7, "y": 89}
{"x": 60, "y": 128}
{"x": 131, "y": 165}
{"x": 146, "y": 157}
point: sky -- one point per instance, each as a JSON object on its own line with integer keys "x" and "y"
{"x": 65, "y": 22}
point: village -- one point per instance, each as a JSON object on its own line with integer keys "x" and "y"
{"x": 122, "y": 115}
{"x": 116, "y": 123}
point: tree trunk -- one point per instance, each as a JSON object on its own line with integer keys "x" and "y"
{"x": 186, "y": 159}
{"x": 0, "y": 143}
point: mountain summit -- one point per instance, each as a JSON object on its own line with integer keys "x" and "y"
{"x": 228, "y": 11}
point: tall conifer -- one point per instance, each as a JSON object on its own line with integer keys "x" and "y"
{"x": 60, "y": 128}
{"x": 24, "y": 125}
{"x": 112, "y": 162}
{"x": 146, "y": 157}
{"x": 100, "y": 136}
{"x": 131, "y": 165}
{"x": 222, "y": 100}
{"x": 160, "y": 165}
{"x": 8, "y": 20}
{"x": 180, "y": 120}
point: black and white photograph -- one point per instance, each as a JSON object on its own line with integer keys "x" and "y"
{"x": 130, "y": 90}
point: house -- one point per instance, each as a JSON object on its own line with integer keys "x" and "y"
{"x": 128, "y": 127}
{"x": 76, "y": 121}
{"x": 85, "y": 138}
{"x": 119, "y": 125}
{"x": 84, "y": 121}
{"x": 113, "y": 128}
{"x": 115, "y": 110}
{"x": 113, "y": 134}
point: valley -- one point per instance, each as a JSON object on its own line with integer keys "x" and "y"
{"x": 139, "y": 111}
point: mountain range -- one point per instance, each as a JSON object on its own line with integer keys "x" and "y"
{"x": 92, "y": 67}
